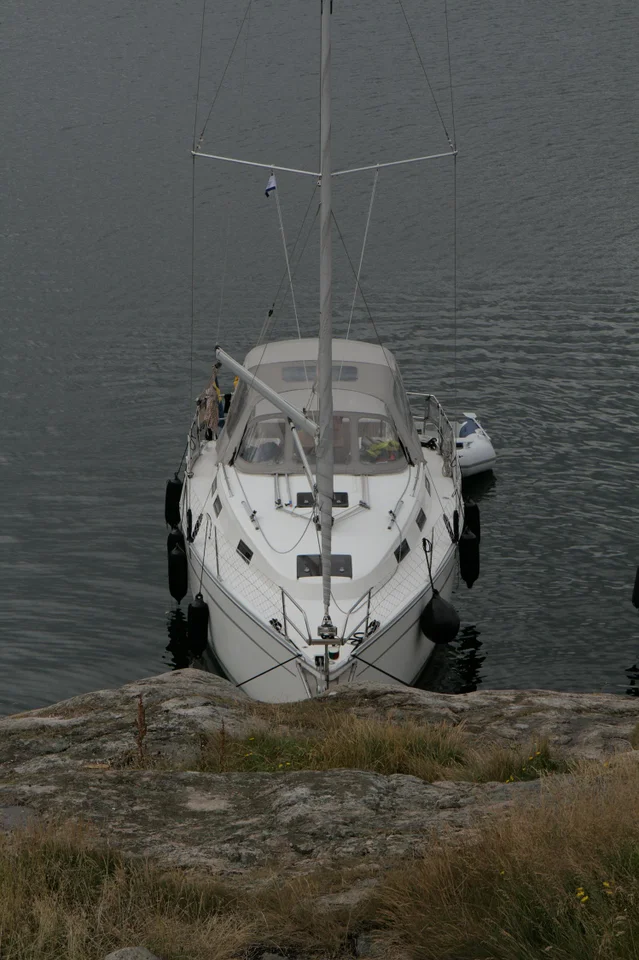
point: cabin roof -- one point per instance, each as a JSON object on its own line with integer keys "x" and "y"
{"x": 284, "y": 351}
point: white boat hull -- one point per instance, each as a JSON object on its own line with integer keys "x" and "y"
{"x": 268, "y": 667}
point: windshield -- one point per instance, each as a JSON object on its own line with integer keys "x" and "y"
{"x": 264, "y": 441}
{"x": 362, "y": 443}
{"x": 377, "y": 441}
{"x": 341, "y": 442}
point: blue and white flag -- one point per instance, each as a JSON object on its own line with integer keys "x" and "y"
{"x": 270, "y": 186}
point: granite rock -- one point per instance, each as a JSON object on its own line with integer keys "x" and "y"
{"x": 74, "y": 760}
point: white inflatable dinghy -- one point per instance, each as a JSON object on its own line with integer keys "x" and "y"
{"x": 474, "y": 448}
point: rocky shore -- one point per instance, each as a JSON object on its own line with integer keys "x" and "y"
{"x": 124, "y": 762}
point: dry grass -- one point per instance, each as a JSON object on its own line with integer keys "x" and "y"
{"x": 327, "y": 740}
{"x": 62, "y": 896}
{"x": 557, "y": 879}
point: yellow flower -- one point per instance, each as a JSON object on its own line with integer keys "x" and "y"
{"x": 501, "y": 873}
{"x": 280, "y": 764}
{"x": 538, "y": 753}
{"x": 530, "y": 758}
{"x": 606, "y": 884}
{"x": 583, "y": 899}
{"x": 251, "y": 738}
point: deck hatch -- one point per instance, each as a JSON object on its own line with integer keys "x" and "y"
{"x": 421, "y": 519}
{"x": 245, "y": 552}
{"x": 401, "y": 551}
{"x": 305, "y": 499}
{"x": 217, "y": 506}
{"x": 310, "y": 565}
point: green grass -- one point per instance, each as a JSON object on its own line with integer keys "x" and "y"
{"x": 435, "y": 751}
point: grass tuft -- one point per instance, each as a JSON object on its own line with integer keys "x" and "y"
{"x": 338, "y": 740}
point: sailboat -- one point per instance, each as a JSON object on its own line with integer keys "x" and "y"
{"x": 318, "y": 527}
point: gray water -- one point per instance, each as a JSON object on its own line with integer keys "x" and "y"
{"x": 95, "y": 370}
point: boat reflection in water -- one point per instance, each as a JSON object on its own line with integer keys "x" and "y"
{"x": 632, "y": 673}
{"x": 480, "y": 487}
{"x": 180, "y": 649}
{"x": 455, "y": 667}
{"x": 178, "y": 645}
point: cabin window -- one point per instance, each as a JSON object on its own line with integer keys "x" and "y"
{"x": 307, "y": 372}
{"x": 378, "y": 441}
{"x": 244, "y": 551}
{"x": 263, "y": 441}
{"x": 402, "y": 550}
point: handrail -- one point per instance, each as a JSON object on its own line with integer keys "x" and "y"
{"x": 194, "y": 443}
{"x": 434, "y": 412}
{"x": 292, "y": 622}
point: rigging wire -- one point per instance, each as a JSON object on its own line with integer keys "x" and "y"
{"x": 192, "y": 332}
{"x": 452, "y": 114}
{"x": 426, "y": 77}
{"x": 359, "y": 286}
{"x": 199, "y": 73}
{"x": 228, "y": 199}
{"x": 393, "y": 372}
{"x": 453, "y": 145}
{"x": 207, "y": 533}
{"x": 224, "y": 269}
{"x": 450, "y": 76}
{"x": 455, "y": 284}
{"x": 286, "y": 257}
{"x": 268, "y": 320}
{"x": 197, "y": 103}
{"x": 228, "y": 63}
{"x": 361, "y": 259}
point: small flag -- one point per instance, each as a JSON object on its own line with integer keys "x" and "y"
{"x": 270, "y": 186}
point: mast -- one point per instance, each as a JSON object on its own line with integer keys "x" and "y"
{"x": 325, "y": 352}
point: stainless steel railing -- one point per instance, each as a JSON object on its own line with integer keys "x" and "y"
{"x": 432, "y": 415}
